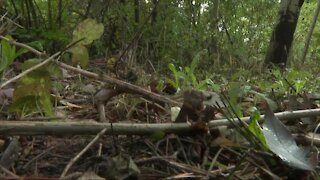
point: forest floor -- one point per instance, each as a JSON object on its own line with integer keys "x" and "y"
{"x": 218, "y": 153}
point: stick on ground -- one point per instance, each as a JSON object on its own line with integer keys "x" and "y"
{"x": 73, "y": 160}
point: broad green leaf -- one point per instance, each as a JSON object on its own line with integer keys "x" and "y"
{"x": 51, "y": 68}
{"x": 88, "y": 29}
{"x": 46, "y": 104}
{"x": 54, "y": 70}
{"x": 37, "y": 45}
{"x": 80, "y": 55}
{"x": 32, "y": 93}
{"x": 24, "y": 105}
{"x": 29, "y": 63}
{"x": 8, "y": 54}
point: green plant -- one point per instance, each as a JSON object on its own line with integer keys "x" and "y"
{"x": 32, "y": 92}
{"x": 186, "y": 77}
{"x": 291, "y": 81}
{"x": 86, "y": 32}
{"x": 8, "y": 53}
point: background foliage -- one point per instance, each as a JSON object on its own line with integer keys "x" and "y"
{"x": 199, "y": 43}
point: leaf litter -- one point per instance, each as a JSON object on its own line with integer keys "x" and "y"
{"x": 161, "y": 155}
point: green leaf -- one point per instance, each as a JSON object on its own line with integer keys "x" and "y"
{"x": 33, "y": 92}
{"x": 171, "y": 82}
{"x": 157, "y": 135}
{"x": 56, "y": 35}
{"x": 46, "y": 104}
{"x": 37, "y": 45}
{"x": 8, "y": 54}
{"x": 299, "y": 85}
{"x": 3, "y": 62}
{"x": 173, "y": 69}
{"x": 89, "y": 29}
{"x": 196, "y": 59}
{"x": 191, "y": 77}
{"x": 29, "y": 63}
{"x": 211, "y": 85}
{"x": 256, "y": 130}
{"x": 272, "y": 104}
{"x": 80, "y": 55}
{"x": 234, "y": 93}
{"x": 54, "y": 70}
{"x": 21, "y": 51}
{"x": 24, "y": 105}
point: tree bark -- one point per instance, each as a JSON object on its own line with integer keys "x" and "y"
{"x": 282, "y": 35}
{"x": 137, "y": 11}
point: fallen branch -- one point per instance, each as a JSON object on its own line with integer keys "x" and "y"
{"x": 22, "y": 45}
{"x": 92, "y": 128}
{"x": 129, "y": 88}
{"x": 286, "y": 115}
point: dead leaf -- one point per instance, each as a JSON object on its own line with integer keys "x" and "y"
{"x": 281, "y": 142}
{"x": 90, "y": 175}
{"x": 119, "y": 167}
{"x": 89, "y": 88}
{"x": 6, "y": 96}
{"x": 198, "y": 105}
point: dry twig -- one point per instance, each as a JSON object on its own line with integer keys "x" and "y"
{"x": 73, "y": 160}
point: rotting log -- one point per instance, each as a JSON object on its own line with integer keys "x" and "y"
{"x": 91, "y": 128}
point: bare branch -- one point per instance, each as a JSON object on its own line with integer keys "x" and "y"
{"x": 91, "y": 128}
{"x": 22, "y": 45}
{"x": 127, "y": 87}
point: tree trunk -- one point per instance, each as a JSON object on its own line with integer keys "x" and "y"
{"x": 282, "y": 35}
{"x": 137, "y": 11}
